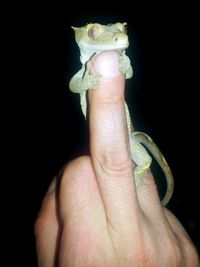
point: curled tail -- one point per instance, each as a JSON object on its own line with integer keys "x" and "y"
{"x": 145, "y": 140}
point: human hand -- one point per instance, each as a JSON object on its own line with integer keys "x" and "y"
{"x": 99, "y": 218}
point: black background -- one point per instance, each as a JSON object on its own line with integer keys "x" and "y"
{"x": 46, "y": 127}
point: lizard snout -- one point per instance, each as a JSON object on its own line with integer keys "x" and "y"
{"x": 120, "y": 38}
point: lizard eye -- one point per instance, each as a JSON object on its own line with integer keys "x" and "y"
{"x": 122, "y": 27}
{"x": 94, "y": 31}
{"x": 125, "y": 30}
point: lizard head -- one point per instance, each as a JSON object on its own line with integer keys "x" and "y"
{"x": 95, "y": 37}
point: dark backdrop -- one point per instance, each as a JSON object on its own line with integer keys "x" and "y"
{"x": 48, "y": 129}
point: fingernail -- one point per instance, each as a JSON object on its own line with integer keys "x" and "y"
{"x": 52, "y": 186}
{"x": 107, "y": 64}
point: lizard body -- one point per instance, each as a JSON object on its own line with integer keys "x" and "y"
{"x": 96, "y": 38}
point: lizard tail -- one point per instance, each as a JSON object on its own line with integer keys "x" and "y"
{"x": 146, "y": 140}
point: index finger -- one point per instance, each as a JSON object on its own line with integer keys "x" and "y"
{"x": 109, "y": 143}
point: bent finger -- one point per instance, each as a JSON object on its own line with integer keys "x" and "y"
{"x": 187, "y": 246}
{"x": 47, "y": 230}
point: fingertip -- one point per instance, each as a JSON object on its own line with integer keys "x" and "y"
{"x": 111, "y": 84}
{"x": 106, "y": 64}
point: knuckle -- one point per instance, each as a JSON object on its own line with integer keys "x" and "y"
{"x": 80, "y": 163}
{"x": 189, "y": 253}
{"x": 44, "y": 216}
{"x": 74, "y": 170}
{"x": 116, "y": 168}
{"x": 172, "y": 254}
{"x": 141, "y": 255}
{"x": 39, "y": 225}
{"x": 107, "y": 102}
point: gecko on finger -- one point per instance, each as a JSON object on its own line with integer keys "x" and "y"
{"x": 93, "y": 39}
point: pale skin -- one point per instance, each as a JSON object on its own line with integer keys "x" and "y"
{"x": 98, "y": 217}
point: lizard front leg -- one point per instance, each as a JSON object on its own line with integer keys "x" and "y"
{"x": 81, "y": 82}
{"x": 125, "y": 65}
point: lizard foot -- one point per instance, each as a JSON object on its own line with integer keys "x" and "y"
{"x": 90, "y": 81}
{"x": 139, "y": 174}
{"x": 125, "y": 66}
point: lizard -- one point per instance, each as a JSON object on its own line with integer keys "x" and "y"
{"x": 92, "y": 39}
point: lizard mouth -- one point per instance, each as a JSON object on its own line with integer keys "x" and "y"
{"x": 97, "y": 48}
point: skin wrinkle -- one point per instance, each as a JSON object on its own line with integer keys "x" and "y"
{"x": 116, "y": 145}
